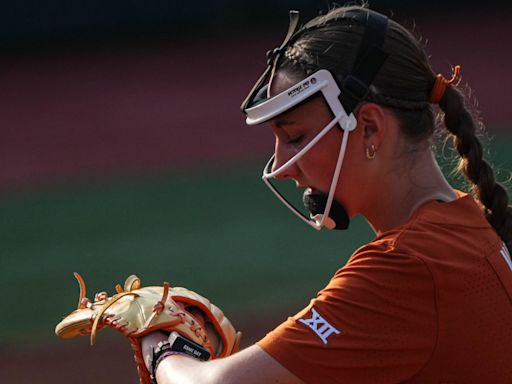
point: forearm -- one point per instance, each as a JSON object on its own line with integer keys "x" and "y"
{"x": 182, "y": 369}
{"x": 249, "y": 366}
{"x": 185, "y": 370}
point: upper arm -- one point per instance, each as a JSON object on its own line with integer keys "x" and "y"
{"x": 249, "y": 366}
{"x": 376, "y": 321}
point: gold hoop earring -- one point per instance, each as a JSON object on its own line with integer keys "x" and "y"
{"x": 370, "y": 152}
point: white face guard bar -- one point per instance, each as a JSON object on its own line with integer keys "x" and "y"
{"x": 320, "y": 81}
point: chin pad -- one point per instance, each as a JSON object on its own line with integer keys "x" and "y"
{"x": 315, "y": 203}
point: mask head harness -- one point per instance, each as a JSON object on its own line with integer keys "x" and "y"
{"x": 342, "y": 97}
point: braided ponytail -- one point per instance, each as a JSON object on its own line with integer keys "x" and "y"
{"x": 460, "y": 123}
{"x": 404, "y": 84}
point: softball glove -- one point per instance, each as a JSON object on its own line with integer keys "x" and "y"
{"x": 136, "y": 311}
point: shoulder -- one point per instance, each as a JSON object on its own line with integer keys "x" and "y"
{"x": 393, "y": 256}
{"x": 376, "y": 318}
{"x": 383, "y": 274}
{"x": 435, "y": 233}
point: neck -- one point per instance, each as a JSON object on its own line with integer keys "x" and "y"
{"x": 415, "y": 184}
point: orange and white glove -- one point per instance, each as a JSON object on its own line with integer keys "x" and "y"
{"x": 137, "y": 311}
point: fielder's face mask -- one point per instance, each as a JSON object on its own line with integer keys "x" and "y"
{"x": 341, "y": 98}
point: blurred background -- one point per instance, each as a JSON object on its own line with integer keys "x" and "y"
{"x": 123, "y": 150}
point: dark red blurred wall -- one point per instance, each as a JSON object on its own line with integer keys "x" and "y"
{"x": 128, "y": 110}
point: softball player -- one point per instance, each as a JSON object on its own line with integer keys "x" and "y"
{"x": 350, "y": 97}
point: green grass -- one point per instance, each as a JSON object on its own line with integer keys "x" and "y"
{"x": 219, "y": 232}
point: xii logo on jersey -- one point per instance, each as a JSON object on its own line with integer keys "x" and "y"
{"x": 320, "y": 326}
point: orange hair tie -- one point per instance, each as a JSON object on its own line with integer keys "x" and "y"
{"x": 441, "y": 84}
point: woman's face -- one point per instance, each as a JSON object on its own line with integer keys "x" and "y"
{"x": 296, "y": 128}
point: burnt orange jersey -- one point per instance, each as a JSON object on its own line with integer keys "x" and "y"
{"x": 427, "y": 302}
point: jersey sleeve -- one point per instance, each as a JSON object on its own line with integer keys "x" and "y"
{"x": 375, "y": 322}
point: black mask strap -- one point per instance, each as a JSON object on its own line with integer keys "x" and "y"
{"x": 356, "y": 86}
{"x": 258, "y": 92}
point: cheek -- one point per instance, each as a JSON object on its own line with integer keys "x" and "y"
{"x": 319, "y": 163}
{"x": 353, "y": 180}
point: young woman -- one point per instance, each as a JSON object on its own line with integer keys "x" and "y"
{"x": 350, "y": 97}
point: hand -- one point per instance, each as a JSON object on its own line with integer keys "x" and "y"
{"x": 148, "y": 343}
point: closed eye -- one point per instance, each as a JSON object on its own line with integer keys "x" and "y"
{"x": 296, "y": 140}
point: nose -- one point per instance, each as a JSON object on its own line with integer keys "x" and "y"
{"x": 282, "y": 154}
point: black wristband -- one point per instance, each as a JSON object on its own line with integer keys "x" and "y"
{"x": 156, "y": 362}
{"x": 176, "y": 344}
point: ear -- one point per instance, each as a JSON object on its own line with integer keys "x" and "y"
{"x": 371, "y": 118}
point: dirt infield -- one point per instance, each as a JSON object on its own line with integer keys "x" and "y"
{"x": 103, "y": 113}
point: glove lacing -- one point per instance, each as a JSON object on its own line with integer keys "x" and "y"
{"x": 131, "y": 283}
